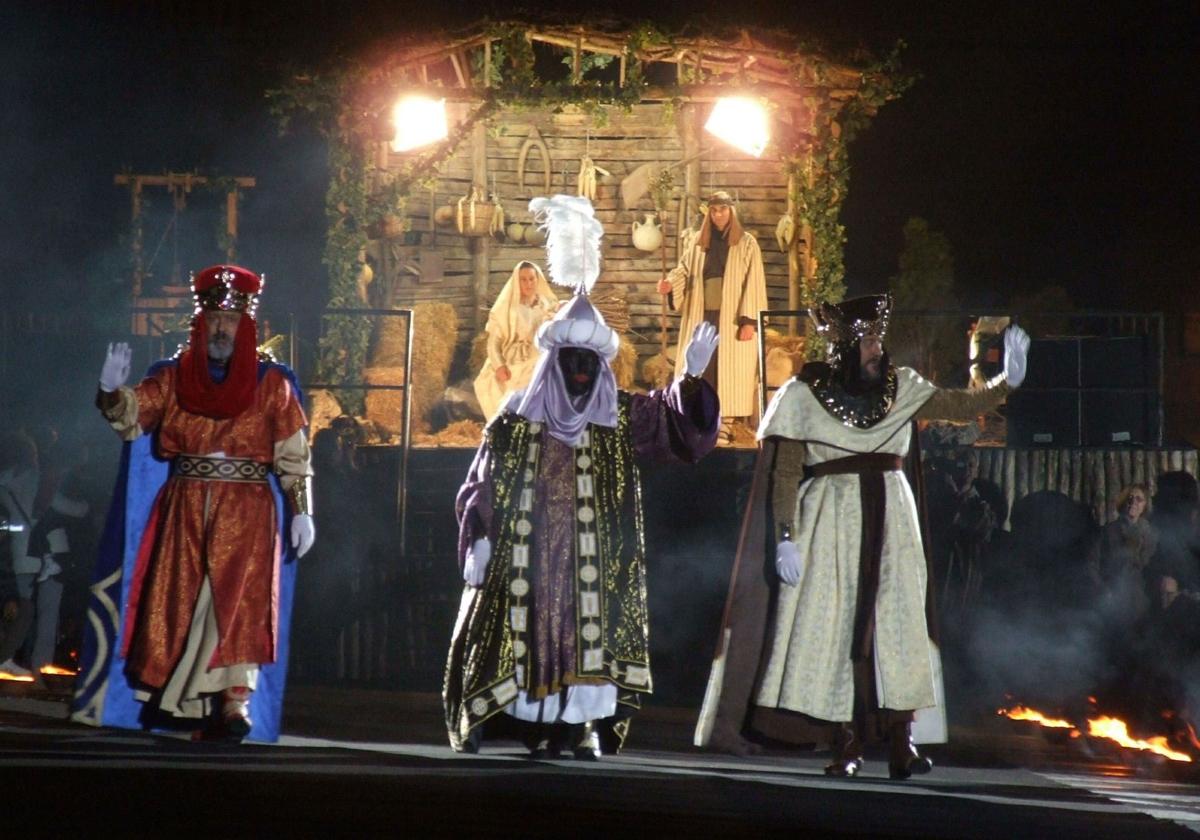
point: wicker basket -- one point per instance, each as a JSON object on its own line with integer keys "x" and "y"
{"x": 473, "y": 215}
{"x": 483, "y": 219}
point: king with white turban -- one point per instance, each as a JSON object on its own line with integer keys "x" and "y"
{"x": 552, "y": 627}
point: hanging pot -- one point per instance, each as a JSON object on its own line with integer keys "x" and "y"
{"x": 647, "y": 234}
{"x": 515, "y": 232}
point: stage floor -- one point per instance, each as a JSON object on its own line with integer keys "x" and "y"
{"x": 78, "y": 780}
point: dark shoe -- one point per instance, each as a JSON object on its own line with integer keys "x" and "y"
{"x": 546, "y": 741}
{"x": 473, "y": 741}
{"x": 847, "y": 753}
{"x": 844, "y": 769}
{"x": 903, "y": 759}
{"x": 586, "y": 742}
{"x": 235, "y": 713}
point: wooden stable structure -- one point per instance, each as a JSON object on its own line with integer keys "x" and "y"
{"x": 506, "y": 155}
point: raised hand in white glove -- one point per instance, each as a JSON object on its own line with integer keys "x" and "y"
{"x": 1016, "y": 355}
{"x": 787, "y": 562}
{"x": 115, "y": 372}
{"x": 304, "y": 533}
{"x": 700, "y": 348}
{"x": 476, "y": 565}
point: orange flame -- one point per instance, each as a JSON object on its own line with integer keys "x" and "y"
{"x": 54, "y": 670}
{"x": 1025, "y": 713}
{"x": 14, "y": 677}
{"x": 1113, "y": 729}
{"x": 1116, "y": 730}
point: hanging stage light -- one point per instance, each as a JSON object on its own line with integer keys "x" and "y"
{"x": 419, "y": 121}
{"x": 741, "y": 122}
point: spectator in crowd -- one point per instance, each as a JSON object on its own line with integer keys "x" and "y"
{"x": 16, "y": 614}
{"x": 18, "y": 485}
{"x": 1176, "y": 507}
{"x": 52, "y": 545}
{"x": 1118, "y": 561}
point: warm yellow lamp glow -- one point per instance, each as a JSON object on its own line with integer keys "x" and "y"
{"x": 419, "y": 121}
{"x": 740, "y": 122}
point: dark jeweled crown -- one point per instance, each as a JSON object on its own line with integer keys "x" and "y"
{"x": 852, "y": 319}
{"x": 227, "y": 288}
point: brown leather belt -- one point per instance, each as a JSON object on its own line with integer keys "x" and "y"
{"x": 201, "y": 468}
{"x": 869, "y": 467}
{"x": 866, "y": 463}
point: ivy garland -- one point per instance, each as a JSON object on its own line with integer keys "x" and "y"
{"x": 821, "y": 176}
{"x": 359, "y": 195}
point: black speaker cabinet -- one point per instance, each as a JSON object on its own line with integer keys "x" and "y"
{"x": 1053, "y": 363}
{"x": 1120, "y": 418}
{"x": 1044, "y": 418}
{"x": 1123, "y": 362}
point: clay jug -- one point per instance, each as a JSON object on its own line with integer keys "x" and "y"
{"x": 647, "y": 234}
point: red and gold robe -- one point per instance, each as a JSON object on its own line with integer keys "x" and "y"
{"x": 223, "y": 530}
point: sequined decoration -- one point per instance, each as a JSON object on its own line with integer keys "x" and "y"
{"x": 835, "y": 401}
{"x": 589, "y": 591}
{"x": 518, "y": 579}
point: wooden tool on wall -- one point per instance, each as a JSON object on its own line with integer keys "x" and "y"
{"x": 533, "y": 141}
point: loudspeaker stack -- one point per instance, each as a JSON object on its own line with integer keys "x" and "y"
{"x": 1088, "y": 391}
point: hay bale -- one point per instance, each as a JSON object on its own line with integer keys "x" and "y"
{"x": 785, "y": 356}
{"x": 478, "y": 353}
{"x": 391, "y": 340}
{"x": 624, "y": 364}
{"x": 464, "y": 433}
{"x": 323, "y": 407}
{"x": 773, "y": 338}
{"x": 782, "y": 366}
{"x": 435, "y": 333}
{"x": 385, "y": 408}
{"x": 658, "y": 370}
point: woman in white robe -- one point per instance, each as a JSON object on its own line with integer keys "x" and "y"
{"x": 525, "y": 302}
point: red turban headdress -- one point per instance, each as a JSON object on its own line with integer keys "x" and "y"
{"x": 223, "y": 288}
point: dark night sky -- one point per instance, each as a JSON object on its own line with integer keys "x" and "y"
{"x": 1050, "y": 146}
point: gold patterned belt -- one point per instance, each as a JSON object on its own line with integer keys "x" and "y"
{"x": 220, "y": 469}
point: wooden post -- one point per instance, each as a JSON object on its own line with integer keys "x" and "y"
{"x": 231, "y": 222}
{"x": 487, "y": 63}
{"x": 480, "y": 256}
{"x": 794, "y": 254}
{"x": 689, "y": 134}
{"x": 577, "y": 61}
{"x": 139, "y": 270}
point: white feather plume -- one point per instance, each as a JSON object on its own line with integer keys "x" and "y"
{"x": 572, "y": 240}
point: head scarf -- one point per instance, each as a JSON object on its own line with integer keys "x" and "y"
{"x": 546, "y": 400}
{"x": 503, "y": 319}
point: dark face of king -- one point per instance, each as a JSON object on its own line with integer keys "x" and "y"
{"x": 579, "y": 368}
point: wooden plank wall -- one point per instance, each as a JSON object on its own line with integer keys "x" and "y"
{"x": 627, "y": 141}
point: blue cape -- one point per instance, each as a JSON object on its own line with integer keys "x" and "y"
{"x": 103, "y": 694}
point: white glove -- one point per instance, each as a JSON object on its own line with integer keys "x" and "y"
{"x": 1016, "y": 355}
{"x": 115, "y": 372}
{"x": 50, "y": 568}
{"x": 700, "y": 348}
{"x": 787, "y": 562}
{"x": 304, "y": 533}
{"x": 476, "y": 565}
